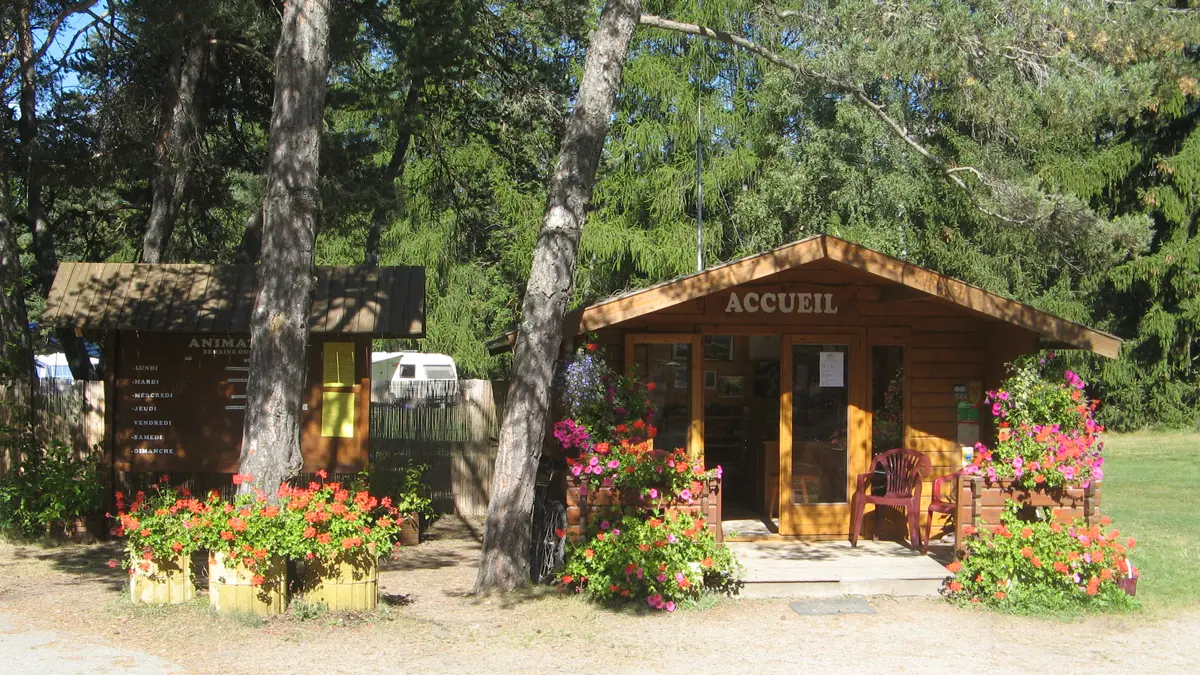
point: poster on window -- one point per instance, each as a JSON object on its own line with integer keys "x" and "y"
{"x": 833, "y": 369}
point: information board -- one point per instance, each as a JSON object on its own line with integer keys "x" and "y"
{"x": 181, "y": 401}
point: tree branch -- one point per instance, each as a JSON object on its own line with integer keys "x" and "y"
{"x": 245, "y": 49}
{"x": 51, "y": 32}
{"x": 838, "y": 85}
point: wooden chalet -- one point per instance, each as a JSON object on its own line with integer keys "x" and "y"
{"x": 791, "y": 368}
{"x": 177, "y": 350}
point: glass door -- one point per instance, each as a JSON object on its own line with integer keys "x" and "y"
{"x": 822, "y": 427}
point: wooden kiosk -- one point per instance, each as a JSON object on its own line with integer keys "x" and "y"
{"x": 177, "y": 350}
{"x": 792, "y": 367}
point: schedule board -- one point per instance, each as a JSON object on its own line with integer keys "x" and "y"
{"x": 181, "y": 401}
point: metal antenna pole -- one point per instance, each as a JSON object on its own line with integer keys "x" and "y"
{"x": 699, "y": 151}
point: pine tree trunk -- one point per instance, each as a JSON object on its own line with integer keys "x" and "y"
{"x": 394, "y": 170}
{"x": 43, "y": 240}
{"x": 16, "y": 360}
{"x": 279, "y": 325}
{"x": 172, "y": 153}
{"x": 504, "y": 564}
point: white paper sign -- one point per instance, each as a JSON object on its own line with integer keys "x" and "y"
{"x": 832, "y": 369}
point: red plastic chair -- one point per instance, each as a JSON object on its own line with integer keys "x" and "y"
{"x": 939, "y": 504}
{"x": 904, "y": 470}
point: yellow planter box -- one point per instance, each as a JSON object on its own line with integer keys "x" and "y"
{"x": 231, "y": 587}
{"x": 346, "y": 582}
{"x": 167, "y": 582}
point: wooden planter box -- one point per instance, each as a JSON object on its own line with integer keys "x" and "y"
{"x": 347, "y": 582}
{"x": 707, "y": 505}
{"x": 230, "y": 586}
{"x": 981, "y": 503}
{"x": 167, "y": 582}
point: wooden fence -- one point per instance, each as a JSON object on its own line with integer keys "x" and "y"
{"x": 450, "y": 426}
{"x": 71, "y": 413}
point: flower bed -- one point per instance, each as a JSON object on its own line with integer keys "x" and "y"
{"x": 664, "y": 560}
{"x": 1043, "y": 565}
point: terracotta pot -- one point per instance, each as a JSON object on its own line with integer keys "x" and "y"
{"x": 231, "y": 587}
{"x": 410, "y": 531}
{"x": 166, "y": 582}
{"x": 345, "y": 582}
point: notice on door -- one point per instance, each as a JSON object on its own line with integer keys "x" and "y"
{"x": 833, "y": 369}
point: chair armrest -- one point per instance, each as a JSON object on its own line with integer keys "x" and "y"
{"x": 862, "y": 480}
{"x": 941, "y": 480}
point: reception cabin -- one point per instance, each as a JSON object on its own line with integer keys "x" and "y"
{"x": 792, "y": 368}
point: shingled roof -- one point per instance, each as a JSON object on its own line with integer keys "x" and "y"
{"x": 383, "y": 301}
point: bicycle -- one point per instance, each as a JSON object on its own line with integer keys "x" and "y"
{"x": 547, "y": 529}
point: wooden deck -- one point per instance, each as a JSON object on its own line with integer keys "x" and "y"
{"x": 803, "y": 569}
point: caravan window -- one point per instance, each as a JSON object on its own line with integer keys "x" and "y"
{"x": 408, "y": 371}
{"x": 439, "y": 372}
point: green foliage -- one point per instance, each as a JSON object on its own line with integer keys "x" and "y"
{"x": 47, "y": 489}
{"x": 662, "y": 561}
{"x": 1042, "y": 567}
{"x": 412, "y": 497}
{"x": 1079, "y": 117}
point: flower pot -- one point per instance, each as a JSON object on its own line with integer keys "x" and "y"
{"x": 166, "y": 582}
{"x": 346, "y": 582}
{"x": 231, "y": 585}
{"x": 410, "y": 531}
{"x": 1128, "y": 584}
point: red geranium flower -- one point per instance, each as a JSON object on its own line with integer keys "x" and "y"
{"x": 257, "y": 580}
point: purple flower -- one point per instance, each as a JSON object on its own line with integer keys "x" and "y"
{"x": 593, "y": 461}
{"x": 654, "y": 493}
{"x": 679, "y": 577}
{"x": 661, "y": 578}
{"x": 612, "y": 463}
{"x": 670, "y": 606}
{"x": 1097, "y": 474}
{"x": 604, "y": 524}
{"x": 576, "y": 470}
{"x": 686, "y": 494}
{"x": 615, "y": 532}
{"x": 671, "y": 538}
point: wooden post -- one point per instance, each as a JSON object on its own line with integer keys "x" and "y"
{"x": 696, "y": 428}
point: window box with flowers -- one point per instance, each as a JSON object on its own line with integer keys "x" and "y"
{"x": 160, "y": 530}
{"x": 1048, "y": 452}
{"x": 336, "y": 535}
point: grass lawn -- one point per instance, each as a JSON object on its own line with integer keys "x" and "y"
{"x": 1152, "y": 492}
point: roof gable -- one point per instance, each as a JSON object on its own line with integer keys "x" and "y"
{"x": 907, "y": 280}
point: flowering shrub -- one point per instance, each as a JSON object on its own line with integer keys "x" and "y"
{"x": 601, "y": 405}
{"x": 1047, "y": 435}
{"x": 1042, "y": 566}
{"x": 326, "y": 519}
{"x": 161, "y": 526}
{"x": 664, "y": 561}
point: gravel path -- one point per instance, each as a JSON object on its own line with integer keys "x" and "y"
{"x": 50, "y": 652}
{"x": 68, "y": 604}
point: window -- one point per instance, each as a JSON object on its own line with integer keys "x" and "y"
{"x": 439, "y": 372}
{"x": 408, "y": 371}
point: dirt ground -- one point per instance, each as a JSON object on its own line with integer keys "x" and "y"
{"x": 430, "y": 623}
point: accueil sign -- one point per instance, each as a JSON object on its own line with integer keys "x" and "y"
{"x": 784, "y": 303}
